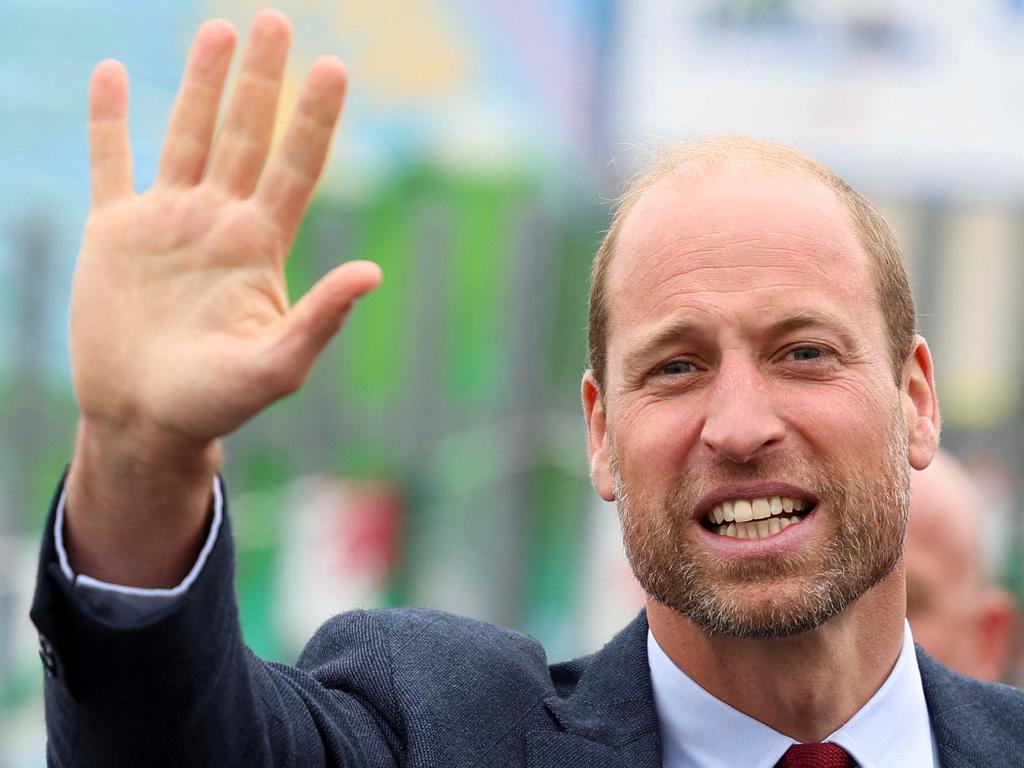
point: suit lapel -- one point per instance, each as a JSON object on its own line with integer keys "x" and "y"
{"x": 609, "y": 720}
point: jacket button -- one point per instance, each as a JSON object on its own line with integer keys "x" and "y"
{"x": 48, "y": 656}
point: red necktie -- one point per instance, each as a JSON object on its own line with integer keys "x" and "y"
{"x": 816, "y": 756}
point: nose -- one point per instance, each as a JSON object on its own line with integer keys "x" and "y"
{"x": 741, "y": 419}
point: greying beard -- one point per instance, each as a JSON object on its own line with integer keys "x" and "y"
{"x": 872, "y": 511}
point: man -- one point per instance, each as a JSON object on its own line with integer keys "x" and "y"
{"x": 958, "y": 617}
{"x": 751, "y": 407}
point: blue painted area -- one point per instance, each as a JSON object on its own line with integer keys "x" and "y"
{"x": 49, "y": 49}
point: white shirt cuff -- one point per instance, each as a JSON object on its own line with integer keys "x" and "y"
{"x": 129, "y": 606}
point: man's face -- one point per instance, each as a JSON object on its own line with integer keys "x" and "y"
{"x": 748, "y": 375}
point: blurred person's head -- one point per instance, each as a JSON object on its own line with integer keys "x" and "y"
{"x": 956, "y": 615}
{"x": 753, "y": 351}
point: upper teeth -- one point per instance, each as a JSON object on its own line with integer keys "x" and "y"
{"x": 745, "y": 510}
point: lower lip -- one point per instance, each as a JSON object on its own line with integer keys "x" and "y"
{"x": 789, "y": 538}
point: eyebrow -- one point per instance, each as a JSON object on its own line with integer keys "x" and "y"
{"x": 648, "y": 345}
{"x": 810, "y": 318}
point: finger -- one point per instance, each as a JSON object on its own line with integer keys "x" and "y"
{"x": 110, "y": 152}
{"x": 195, "y": 110}
{"x": 319, "y": 315}
{"x": 285, "y": 188}
{"x": 242, "y": 146}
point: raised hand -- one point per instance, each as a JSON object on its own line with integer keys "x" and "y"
{"x": 180, "y": 319}
{"x": 180, "y": 326}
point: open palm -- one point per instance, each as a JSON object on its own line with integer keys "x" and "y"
{"x": 180, "y": 319}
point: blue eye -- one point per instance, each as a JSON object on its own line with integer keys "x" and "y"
{"x": 807, "y": 353}
{"x": 677, "y": 367}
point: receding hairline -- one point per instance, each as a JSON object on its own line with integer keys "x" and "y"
{"x": 702, "y": 158}
{"x": 692, "y": 160}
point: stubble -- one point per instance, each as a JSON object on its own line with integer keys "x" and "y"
{"x": 773, "y": 596}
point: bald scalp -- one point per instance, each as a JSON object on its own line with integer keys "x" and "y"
{"x": 690, "y": 160}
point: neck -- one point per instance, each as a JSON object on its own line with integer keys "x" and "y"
{"x": 806, "y": 686}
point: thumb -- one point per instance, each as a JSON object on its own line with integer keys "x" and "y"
{"x": 319, "y": 315}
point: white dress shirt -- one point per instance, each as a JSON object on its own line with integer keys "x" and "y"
{"x": 128, "y": 607}
{"x": 700, "y": 731}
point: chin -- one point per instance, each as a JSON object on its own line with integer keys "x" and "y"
{"x": 778, "y": 610}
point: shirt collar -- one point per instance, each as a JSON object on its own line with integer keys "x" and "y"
{"x": 893, "y": 727}
{"x": 700, "y": 731}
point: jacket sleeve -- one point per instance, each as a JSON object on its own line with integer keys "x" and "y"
{"x": 126, "y": 607}
{"x": 182, "y": 689}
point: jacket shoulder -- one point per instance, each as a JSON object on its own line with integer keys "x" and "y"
{"x": 431, "y": 674}
{"x": 409, "y": 636}
{"x": 972, "y": 720}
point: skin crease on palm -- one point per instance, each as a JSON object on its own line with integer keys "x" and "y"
{"x": 180, "y": 327}
{"x": 735, "y": 395}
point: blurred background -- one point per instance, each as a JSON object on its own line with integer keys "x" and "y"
{"x": 436, "y": 457}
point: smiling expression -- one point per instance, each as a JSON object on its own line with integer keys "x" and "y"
{"x": 751, "y": 428}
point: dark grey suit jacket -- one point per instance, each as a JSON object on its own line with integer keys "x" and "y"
{"x": 384, "y": 688}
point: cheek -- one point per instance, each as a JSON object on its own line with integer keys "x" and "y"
{"x": 655, "y": 438}
{"x": 839, "y": 416}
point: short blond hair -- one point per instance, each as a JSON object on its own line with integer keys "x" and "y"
{"x": 891, "y": 282}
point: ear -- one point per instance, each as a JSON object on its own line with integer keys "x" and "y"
{"x": 920, "y": 405}
{"x": 597, "y": 438}
{"x": 997, "y": 619}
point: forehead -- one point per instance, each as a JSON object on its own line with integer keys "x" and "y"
{"x": 734, "y": 236}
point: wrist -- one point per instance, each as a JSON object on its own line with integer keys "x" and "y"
{"x": 133, "y": 452}
{"x": 138, "y": 504}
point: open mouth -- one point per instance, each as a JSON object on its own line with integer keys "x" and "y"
{"x": 756, "y": 518}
